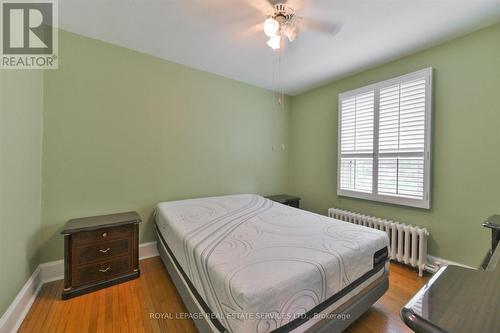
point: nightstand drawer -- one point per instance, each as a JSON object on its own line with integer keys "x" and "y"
{"x": 101, "y": 251}
{"x": 101, "y": 271}
{"x": 102, "y": 235}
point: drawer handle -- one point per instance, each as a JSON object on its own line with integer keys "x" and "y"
{"x": 104, "y": 270}
{"x": 104, "y": 251}
{"x": 104, "y": 234}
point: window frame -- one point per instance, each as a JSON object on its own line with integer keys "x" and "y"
{"x": 425, "y": 203}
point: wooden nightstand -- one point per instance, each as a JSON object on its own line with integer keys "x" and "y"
{"x": 100, "y": 251}
{"x": 285, "y": 199}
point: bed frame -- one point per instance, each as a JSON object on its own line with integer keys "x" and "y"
{"x": 355, "y": 306}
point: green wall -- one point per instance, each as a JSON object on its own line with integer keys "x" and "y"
{"x": 125, "y": 130}
{"x": 21, "y": 95}
{"x": 466, "y": 144}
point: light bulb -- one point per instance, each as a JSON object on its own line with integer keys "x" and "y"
{"x": 274, "y": 42}
{"x": 271, "y": 27}
{"x": 291, "y": 32}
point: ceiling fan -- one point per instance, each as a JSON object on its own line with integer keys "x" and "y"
{"x": 282, "y": 22}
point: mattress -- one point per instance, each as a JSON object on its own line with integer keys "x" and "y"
{"x": 260, "y": 265}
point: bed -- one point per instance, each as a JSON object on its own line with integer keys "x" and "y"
{"x": 243, "y": 263}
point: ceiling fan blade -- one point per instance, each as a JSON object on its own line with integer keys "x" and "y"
{"x": 315, "y": 25}
{"x": 264, "y": 6}
{"x": 295, "y": 4}
{"x": 250, "y": 31}
{"x": 216, "y": 11}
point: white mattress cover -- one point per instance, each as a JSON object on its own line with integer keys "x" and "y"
{"x": 257, "y": 263}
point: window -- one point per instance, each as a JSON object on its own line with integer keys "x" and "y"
{"x": 384, "y": 141}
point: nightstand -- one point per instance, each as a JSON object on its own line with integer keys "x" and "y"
{"x": 285, "y": 199}
{"x": 100, "y": 251}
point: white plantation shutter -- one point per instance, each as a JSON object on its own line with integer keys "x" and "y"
{"x": 356, "y": 142}
{"x": 402, "y": 139}
{"x": 384, "y": 141}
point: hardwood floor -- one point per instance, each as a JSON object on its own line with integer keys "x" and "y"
{"x": 127, "y": 307}
{"x": 383, "y": 316}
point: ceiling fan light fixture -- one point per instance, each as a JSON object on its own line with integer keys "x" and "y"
{"x": 274, "y": 42}
{"x": 271, "y": 27}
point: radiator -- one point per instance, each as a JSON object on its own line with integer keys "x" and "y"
{"x": 407, "y": 243}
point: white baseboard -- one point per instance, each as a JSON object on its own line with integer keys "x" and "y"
{"x": 18, "y": 309}
{"x": 148, "y": 250}
{"x": 13, "y": 317}
{"x": 52, "y": 271}
{"x": 443, "y": 262}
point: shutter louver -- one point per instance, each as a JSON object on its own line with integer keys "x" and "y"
{"x": 356, "y": 142}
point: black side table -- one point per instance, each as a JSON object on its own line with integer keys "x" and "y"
{"x": 285, "y": 199}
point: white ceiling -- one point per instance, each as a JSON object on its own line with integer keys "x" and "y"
{"x": 225, "y": 36}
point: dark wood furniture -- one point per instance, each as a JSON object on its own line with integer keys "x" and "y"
{"x": 100, "y": 251}
{"x": 459, "y": 299}
{"x": 493, "y": 223}
{"x": 285, "y": 199}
